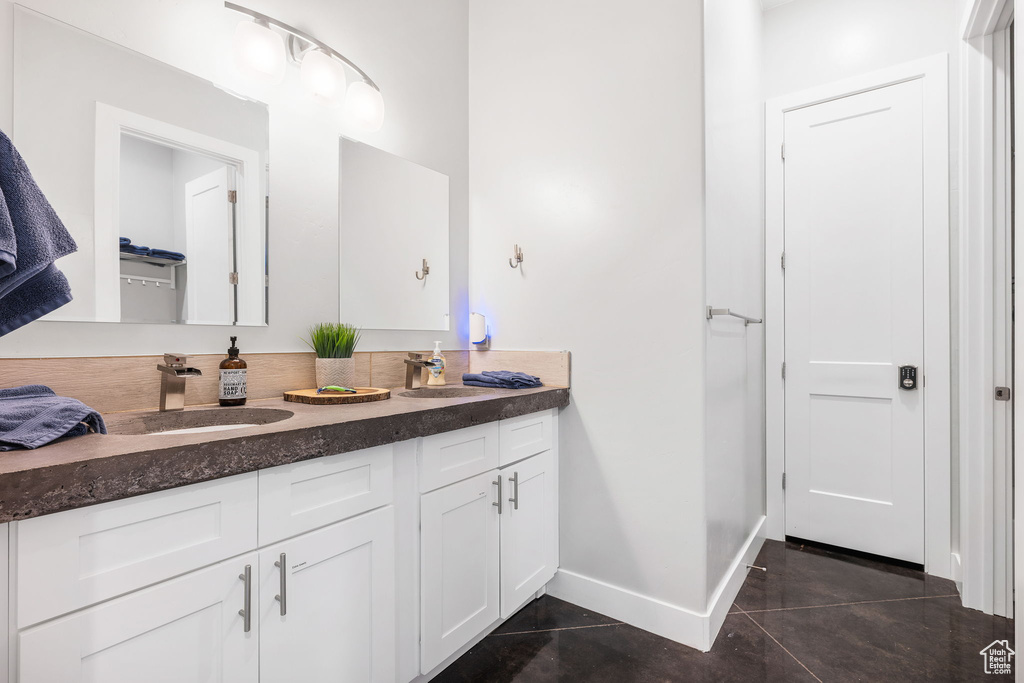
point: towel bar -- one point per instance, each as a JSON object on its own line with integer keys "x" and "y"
{"x": 712, "y": 312}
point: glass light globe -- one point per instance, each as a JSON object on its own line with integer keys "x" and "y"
{"x": 364, "y": 105}
{"x": 259, "y": 52}
{"x": 323, "y": 76}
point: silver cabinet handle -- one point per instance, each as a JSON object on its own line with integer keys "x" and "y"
{"x": 515, "y": 490}
{"x": 282, "y": 597}
{"x": 498, "y": 504}
{"x": 246, "y": 611}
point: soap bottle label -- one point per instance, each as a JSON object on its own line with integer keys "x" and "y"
{"x": 232, "y": 384}
{"x": 438, "y": 367}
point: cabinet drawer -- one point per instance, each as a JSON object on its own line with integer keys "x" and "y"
{"x": 187, "y": 629}
{"x": 77, "y": 558}
{"x": 307, "y": 495}
{"x": 454, "y": 456}
{"x": 527, "y": 435}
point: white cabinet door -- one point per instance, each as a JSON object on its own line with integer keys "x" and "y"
{"x": 458, "y": 567}
{"x": 328, "y": 614}
{"x": 529, "y": 530}
{"x": 186, "y": 629}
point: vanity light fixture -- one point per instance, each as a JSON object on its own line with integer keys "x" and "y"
{"x": 260, "y": 52}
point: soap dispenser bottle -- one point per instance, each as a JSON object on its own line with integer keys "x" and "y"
{"x": 436, "y": 376}
{"x": 232, "y": 378}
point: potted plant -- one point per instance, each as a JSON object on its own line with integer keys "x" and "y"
{"x": 334, "y": 344}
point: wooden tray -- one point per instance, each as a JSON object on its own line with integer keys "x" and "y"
{"x": 330, "y": 398}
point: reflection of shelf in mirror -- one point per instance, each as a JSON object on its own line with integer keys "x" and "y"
{"x": 144, "y": 281}
{"x": 125, "y": 256}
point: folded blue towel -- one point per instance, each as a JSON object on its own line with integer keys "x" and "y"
{"x": 124, "y": 241}
{"x": 136, "y": 249}
{"x": 33, "y": 416}
{"x": 501, "y": 379}
{"x": 169, "y": 255}
{"x": 32, "y": 237}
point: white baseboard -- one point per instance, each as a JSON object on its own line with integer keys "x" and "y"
{"x": 657, "y": 616}
{"x": 730, "y": 585}
{"x": 957, "y": 571}
{"x": 650, "y": 614}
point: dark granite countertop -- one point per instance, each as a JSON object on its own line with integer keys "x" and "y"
{"x": 95, "y": 469}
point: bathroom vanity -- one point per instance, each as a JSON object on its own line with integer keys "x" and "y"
{"x": 358, "y": 543}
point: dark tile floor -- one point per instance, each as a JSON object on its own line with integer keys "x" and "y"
{"x": 814, "y": 615}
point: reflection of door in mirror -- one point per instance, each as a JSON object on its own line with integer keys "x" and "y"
{"x": 394, "y": 219}
{"x": 113, "y": 138}
{"x": 176, "y": 215}
{"x": 209, "y": 234}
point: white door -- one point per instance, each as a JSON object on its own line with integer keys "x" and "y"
{"x": 337, "y": 618}
{"x": 458, "y": 566}
{"x": 854, "y": 227}
{"x": 209, "y": 250}
{"x": 186, "y": 629}
{"x": 529, "y": 554}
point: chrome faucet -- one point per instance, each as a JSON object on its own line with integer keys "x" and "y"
{"x": 173, "y": 373}
{"x": 413, "y": 367}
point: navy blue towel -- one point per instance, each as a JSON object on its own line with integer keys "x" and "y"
{"x": 33, "y": 416}
{"x": 32, "y": 237}
{"x": 169, "y": 255}
{"x": 124, "y": 241}
{"x": 136, "y": 249}
{"x": 501, "y": 379}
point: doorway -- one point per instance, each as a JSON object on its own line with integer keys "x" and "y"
{"x": 857, "y": 314}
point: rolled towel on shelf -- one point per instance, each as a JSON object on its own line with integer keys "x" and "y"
{"x": 32, "y": 416}
{"x": 32, "y": 237}
{"x": 501, "y": 379}
{"x": 169, "y": 255}
{"x": 136, "y": 249}
{"x": 124, "y": 241}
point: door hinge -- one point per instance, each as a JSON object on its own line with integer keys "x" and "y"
{"x": 783, "y": 260}
{"x": 783, "y": 481}
{"x": 233, "y": 278}
{"x": 783, "y": 370}
{"x": 1003, "y": 393}
{"x": 232, "y": 196}
{"x": 783, "y": 151}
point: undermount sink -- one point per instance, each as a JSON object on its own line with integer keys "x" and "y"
{"x": 193, "y": 421}
{"x": 445, "y": 392}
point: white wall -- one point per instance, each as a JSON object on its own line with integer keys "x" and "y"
{"x": 147, "y": 193}
{"x": 586, "y": 149}
{"x": 734, "y": 191}
{"x": 416, "y": 52}
{"x": 812, "y": 42}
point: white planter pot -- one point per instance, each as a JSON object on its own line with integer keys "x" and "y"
{"x": 336, "y": 372}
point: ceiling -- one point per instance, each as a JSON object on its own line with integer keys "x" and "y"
{"x": 768, "y": 4}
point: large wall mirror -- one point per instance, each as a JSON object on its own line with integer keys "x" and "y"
{"x": 160, "y": 176}
{"x": 394, "y": 241}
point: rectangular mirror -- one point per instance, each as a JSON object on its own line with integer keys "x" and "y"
{"x": 393, "y": 241}
{"x": 160, "y": 176}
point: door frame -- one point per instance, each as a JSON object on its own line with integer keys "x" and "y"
{"x": 933, "y": 72}
{"x": 983, "y": 556}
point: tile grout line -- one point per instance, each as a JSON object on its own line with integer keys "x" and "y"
{"x": 841, "y": 604}
{"x": 784, "y": 649}
{"x": 550, "y": 630}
